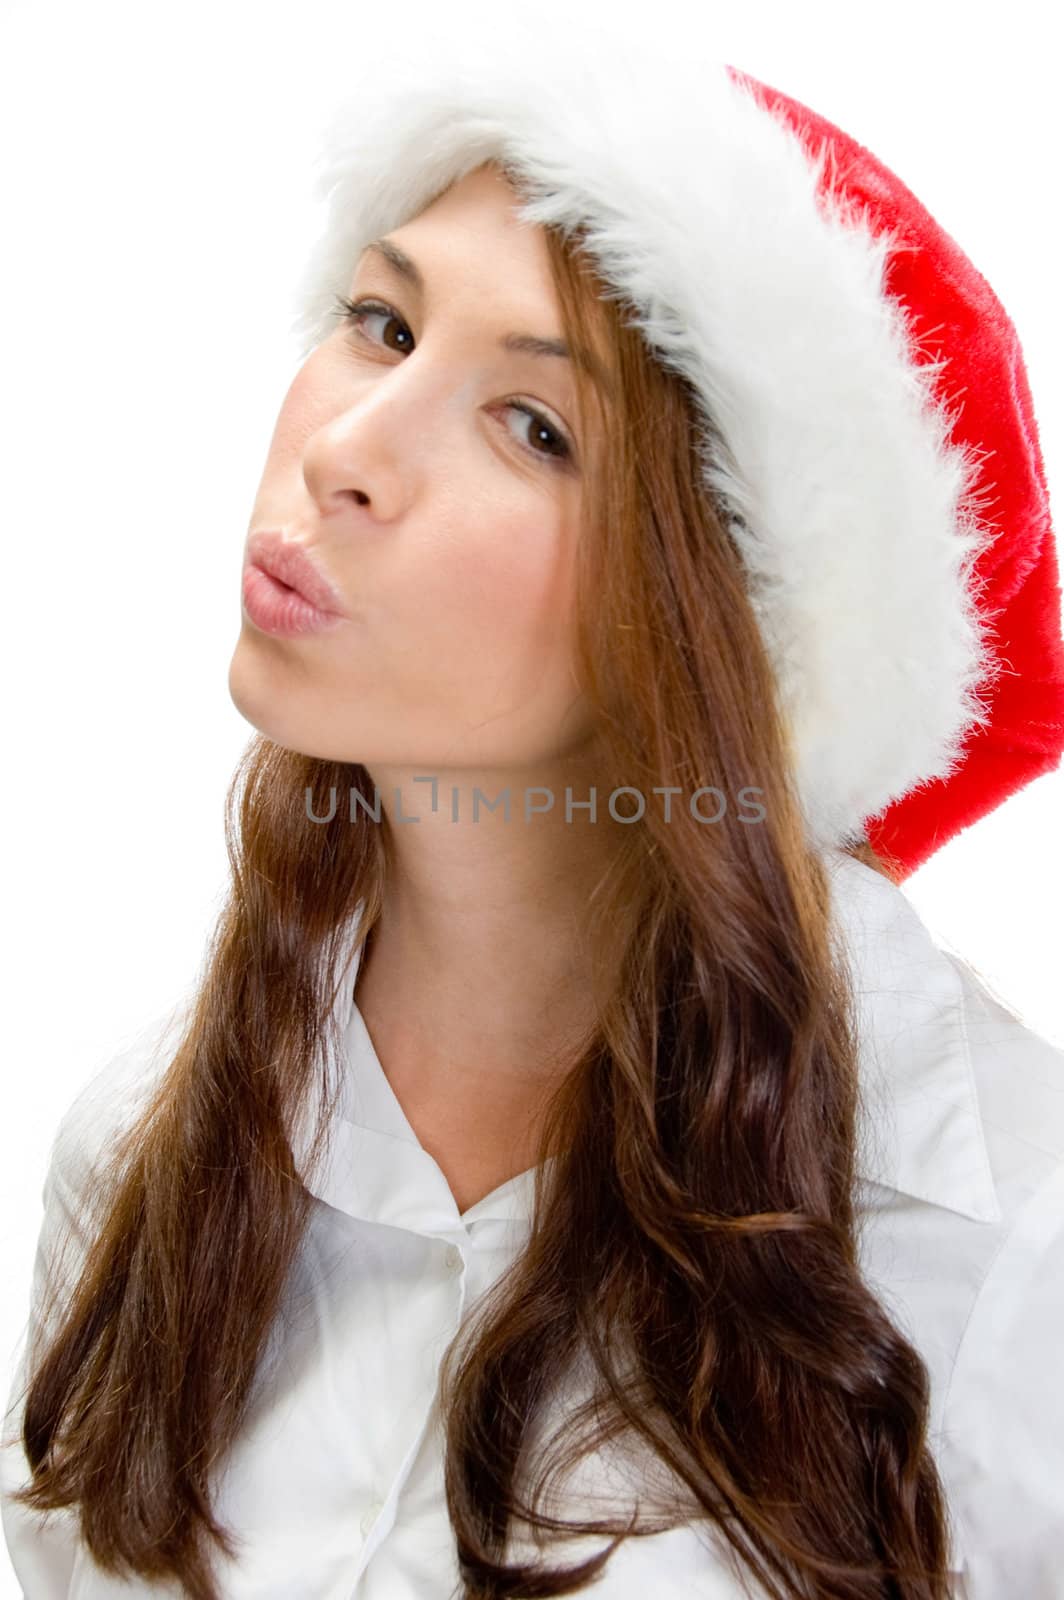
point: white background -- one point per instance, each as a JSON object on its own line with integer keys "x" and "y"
{"x": 156, "y": 210}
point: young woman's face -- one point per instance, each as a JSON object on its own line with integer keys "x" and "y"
{"x": 443, "y": 515}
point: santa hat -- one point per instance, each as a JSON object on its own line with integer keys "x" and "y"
{"x": 870, "y": 438}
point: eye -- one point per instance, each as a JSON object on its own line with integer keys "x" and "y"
{"x": 559, "y": 452}
{"x": 355, "y": 312}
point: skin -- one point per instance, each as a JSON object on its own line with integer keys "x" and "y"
{"x": 455, "y": 563}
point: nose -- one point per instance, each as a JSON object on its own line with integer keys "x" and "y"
{"x": 361, "y": 455}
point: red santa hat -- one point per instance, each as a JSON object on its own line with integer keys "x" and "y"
{"x": 870, "y": 438}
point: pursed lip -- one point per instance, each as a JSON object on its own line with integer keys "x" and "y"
{"x": 293, "y": 565}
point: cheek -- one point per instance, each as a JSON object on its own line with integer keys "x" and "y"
{"x": 307, "y": 405}
{"x": 503, "y": 588}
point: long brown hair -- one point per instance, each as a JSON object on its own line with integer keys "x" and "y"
{"x": 694, "y": 1241}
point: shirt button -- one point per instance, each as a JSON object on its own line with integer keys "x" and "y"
{"x": 370, "y": 1515}
{"x": 454, "y": 1258}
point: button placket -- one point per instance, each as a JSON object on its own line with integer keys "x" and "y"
{"x": 454, "y": 1259}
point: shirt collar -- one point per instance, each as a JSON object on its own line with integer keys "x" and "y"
{"x": 920, "y": 1132}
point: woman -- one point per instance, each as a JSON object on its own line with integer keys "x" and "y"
{"x": 572, "y": 1100}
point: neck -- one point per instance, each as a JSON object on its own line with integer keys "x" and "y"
{"x": 476, "y": 971}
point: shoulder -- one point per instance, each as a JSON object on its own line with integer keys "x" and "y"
{"x": 1002, "y": 1431}
{"x": 113, "y": 1091}
{"x": 105, "y": 1105}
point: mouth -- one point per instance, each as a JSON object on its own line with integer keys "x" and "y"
{"x": 275, "y": 608}
{"x": 283, "y": 593}
{"x": 293, "y": 568}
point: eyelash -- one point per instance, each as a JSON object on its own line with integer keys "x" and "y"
{"x": 351, "y": 313}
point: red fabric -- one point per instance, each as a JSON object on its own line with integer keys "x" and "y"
{"x": 952, "y": 312}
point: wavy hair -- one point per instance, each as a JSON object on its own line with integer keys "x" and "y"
{"x": 694, "y": 1243}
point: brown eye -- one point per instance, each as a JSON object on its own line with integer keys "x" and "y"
{"x": 354, "y": 313}
{"x": 557, "y": 446}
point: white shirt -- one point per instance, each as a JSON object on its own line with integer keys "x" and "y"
{"x": 336, "y": 1480}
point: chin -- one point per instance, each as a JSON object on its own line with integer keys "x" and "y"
{"x": 261, "y": 694}
{"x": 266, "y": 700}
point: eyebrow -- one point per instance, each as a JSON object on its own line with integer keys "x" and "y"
{"x": 528, "y": 344}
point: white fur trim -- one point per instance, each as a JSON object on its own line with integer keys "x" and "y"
{"x": 855, "y": 517}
